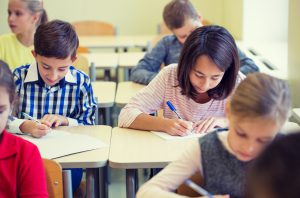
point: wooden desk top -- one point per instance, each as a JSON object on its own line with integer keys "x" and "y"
{"x": 103, "y": 59}
{"x": 143, "y": 149}
{"x": 125, "y": 91}
{"x": 130, "y": 59}
{"x": 105, "y": 91}
{"x": 88, "y": 159}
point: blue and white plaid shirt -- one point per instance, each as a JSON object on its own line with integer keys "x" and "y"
{"x": 71, "y": 97}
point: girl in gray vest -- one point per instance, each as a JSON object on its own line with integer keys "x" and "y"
{"x": 256, "y": 112}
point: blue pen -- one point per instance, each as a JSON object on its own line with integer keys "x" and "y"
{"x": 173, "y": 109}
{"x": 30, "y": 118}
{"x": 198, "y": 189}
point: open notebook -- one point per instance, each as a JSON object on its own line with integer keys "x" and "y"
{"x": 166, "y": 136}
{"x": 59, "y": 143}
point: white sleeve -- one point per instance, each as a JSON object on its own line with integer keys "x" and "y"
{"x": 172, "y": 176}
{"x": 13, "y": 125}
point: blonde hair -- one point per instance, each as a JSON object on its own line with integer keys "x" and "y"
{"x": 261, "y": 95}
{"x": 37, "y": 6}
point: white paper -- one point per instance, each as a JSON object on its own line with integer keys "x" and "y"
{"x": 59, "y": 143}
{"x": 166, "y": 136}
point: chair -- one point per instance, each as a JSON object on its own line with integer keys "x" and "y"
{"x": 187, "y": 191}
{"x": 94, "y": 28}
{"x": 54, "y": 178}
{"x": 82, "y": 64}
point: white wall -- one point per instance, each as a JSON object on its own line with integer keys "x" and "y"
{"x": 130, "y": 16}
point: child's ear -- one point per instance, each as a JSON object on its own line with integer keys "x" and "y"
{"x": 33, "y": 53}
{"x": 74, "y": 59}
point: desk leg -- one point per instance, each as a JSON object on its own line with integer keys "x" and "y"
{"x": 67, "y": 183}
{"x": 131, "y": 182}
{"x": 108, "y": 116}
{"x": 103, "y": 186}
{"x": 126, "y": 74}
{"x": 92, "y": 182}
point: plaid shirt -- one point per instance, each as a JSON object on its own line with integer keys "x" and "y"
{"x": 71, "y": 97}
{"x": 167, "y": 51}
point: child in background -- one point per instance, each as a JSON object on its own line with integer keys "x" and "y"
{"x": 21, "y": 168}
{"x": 24, "y": 16}
{"x": 256, "y": 112}
{"x": 276, "y": 173}
{"x": 51, "y": 89}
{"x": 181, "y": 18}
{"x": 207, "y": 72}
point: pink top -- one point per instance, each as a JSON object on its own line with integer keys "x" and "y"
{"x": 163, "y": 88}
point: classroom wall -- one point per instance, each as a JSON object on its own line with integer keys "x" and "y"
{"x": 133, "y": 16}
{"x": 294, "y": 50}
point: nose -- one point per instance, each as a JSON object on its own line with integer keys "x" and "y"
{"x": 205, "y": 84}
{"x": 249, "y": 148}
{"x": 52, "y": 76}
{"x": 10, "y": 17}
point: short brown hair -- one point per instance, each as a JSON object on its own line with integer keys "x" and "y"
{"x": 177, "y": 12}
{"x": 218, "y": 44}
{"x": 261, "y": 95}
{"x": 56, "y": 39}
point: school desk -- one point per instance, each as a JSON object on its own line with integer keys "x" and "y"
{"x": 94, "y": 161}
{"x": 129, "y": 60}
{"x": 105, "y": 91}
{"x": 277, "y": 51}
{"x": 133, "y": 149}
{"x": 296, "y": 114}
{"x": 125, "y": 91}
{"x": 102, "y": 60}
{"x": 115, "y": 42}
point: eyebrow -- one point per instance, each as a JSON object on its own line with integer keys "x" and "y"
{"x": 51, "y": 66}
{"x": 217, "y": 75}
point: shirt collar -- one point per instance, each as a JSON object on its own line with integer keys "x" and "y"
{"x": 33, "y": 75}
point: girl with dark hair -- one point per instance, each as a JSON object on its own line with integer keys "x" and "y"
{"x": 222, "y": 157}
{"x": 206, "y": 75}
{"x": 22, "y": 172}
{"x": 24, "y": 16}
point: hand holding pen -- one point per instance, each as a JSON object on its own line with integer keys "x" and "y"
{"x": 33, "y": 127}
{"x": 178, "y": 126}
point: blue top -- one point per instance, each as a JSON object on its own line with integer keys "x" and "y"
{"x": 167, "y": 51}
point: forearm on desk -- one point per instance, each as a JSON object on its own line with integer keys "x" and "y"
{"x": 149, "y": 123}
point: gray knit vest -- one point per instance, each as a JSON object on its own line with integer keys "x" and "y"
{"x": 223, "y": 173}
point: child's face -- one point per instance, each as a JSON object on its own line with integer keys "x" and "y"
{"x": 4, "y": 107}
{"x": 248, "y": 137}
{"x": 20, "y": 19}
{"x": 205, "y": 75}
{"x": 52, "y": 70}
{"x": 183, "y": 32}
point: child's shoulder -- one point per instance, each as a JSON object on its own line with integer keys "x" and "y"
{"x": 79, "y": 75}
{"x": 7, "y": 37}
{"x": 22, "y": 70}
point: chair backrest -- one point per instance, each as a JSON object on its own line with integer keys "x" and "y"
{"x": 82, "y": 64}
{"x": 94, "y": 28}
{"x": 187, "y": 191}
{"x": 54, "y": 178}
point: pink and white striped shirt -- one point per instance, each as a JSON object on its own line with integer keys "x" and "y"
{"x": 164, "y": 88}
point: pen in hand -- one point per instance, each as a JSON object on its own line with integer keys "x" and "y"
{"x": 30, "y": 118}
{"x": 198, "y": 188}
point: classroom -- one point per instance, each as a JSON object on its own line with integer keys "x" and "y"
{"x": 169, "y": 98}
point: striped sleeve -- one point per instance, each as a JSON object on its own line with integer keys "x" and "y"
{"x": 148, "y": 100}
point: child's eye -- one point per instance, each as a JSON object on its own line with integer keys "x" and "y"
{"x": 264, "y": 142}
{"x": 240, "y": 134}
{"x": 19, "y": 13}
{"x": 215, "y": 78}
{"x": 9, "y": 13}
{"x": 62, "y": 69}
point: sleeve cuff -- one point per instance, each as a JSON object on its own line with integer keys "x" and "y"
{"x": 14, "y": 126}
{"x": 72, "y": 122}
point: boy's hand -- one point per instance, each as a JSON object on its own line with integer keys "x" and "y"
{"x": 178, "y": 127}
{"x": 54, "y": 120}
{"x": 35, "y": 129}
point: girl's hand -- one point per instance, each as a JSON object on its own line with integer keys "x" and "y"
{"x": 54, "y": 120}
{"x": 177, "y": 127}
{"x": 35, "y": 129}
{"x": 204, "y": 126}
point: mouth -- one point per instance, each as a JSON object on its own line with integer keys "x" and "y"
{"x": 245, "y": 157}
{"x": 12, "y": 26}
